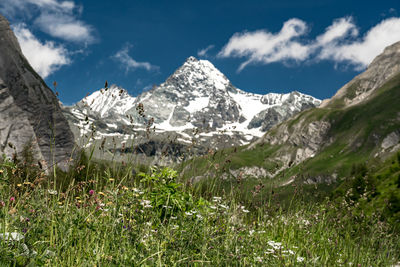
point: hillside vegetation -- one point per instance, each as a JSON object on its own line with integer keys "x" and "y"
{"x": 354, "y": 138}
{"x": 105, "y": 214}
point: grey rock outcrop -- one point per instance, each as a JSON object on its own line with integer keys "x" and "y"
{"x": 299, "y": 141}
{"x": 359, "y": 89}
{"x": 391, "y": 140}
{"x": 29, "y": 111}
{"x": 294, "y": 103}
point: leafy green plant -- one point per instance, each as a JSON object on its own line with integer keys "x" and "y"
{"x": 165, "y": 193}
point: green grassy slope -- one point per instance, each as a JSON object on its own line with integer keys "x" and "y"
{"x": 354, "y": 138}
{"x": 357, "y": 132}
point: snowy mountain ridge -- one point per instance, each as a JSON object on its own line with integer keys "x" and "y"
{"x": 196, "y": 96}
{"x": 108, "y": 100}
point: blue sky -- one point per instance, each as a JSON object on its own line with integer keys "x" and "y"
{"x": 262, "y": 46}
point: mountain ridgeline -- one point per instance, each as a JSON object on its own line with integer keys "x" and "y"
{"x": 196, "y": 109}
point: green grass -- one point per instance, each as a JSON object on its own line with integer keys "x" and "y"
{"x": 112, "y": 218}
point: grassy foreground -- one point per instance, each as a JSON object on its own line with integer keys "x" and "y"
{"x": 109, "y": 216}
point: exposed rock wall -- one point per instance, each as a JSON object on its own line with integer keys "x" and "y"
{"x": 381, "y": 69}
{"x": 29, "y": 110}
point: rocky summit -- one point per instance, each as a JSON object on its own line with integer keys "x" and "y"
{"x": 30, "y": 115}
{"x": 196, "y": 107}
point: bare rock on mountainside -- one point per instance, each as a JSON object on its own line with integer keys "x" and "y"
{"x": 29, "y": 111}
{"x": 381, "y": 69}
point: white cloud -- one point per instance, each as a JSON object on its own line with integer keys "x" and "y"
{"x": 340, "y": 43}
{"x": 265, "y": 47}
{"x": 46, "y": 57}
{"x": 361, "y": 52}
{"x": 65, "y": 6}
{"x": 338, "y": 30}
{"x": 57, "y": 18}
{"x": 129, "y": 63}
{"x": 65, "y": 27}
{"x": 203, "y": 52}
{"x": 27, "y": 6}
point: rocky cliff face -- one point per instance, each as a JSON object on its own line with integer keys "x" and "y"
{"x": 196, "y": 107}
{"x": 29, "y": 111}
{"x": 381, "y": 69}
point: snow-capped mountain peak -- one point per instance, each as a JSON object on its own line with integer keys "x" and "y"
{"x": 114, "y": 99}
{"x": 198, "y": 75}
{"x": 196, "y": 100}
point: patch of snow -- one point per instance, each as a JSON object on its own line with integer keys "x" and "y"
{"x": 114, "y": 99}
{"x": 197, "y": 104}
{"x": 112, "y": 125}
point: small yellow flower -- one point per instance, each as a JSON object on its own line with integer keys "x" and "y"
{"x": 1, "y": 171}
{"x": 19, "y": 185}
{"x": 109, "y": 203}
{"x": 79, "y": 201}
{"x": 27, "y": 183}
{"x": 125, "y": 188}
{"x": 59, "y": 203}
{"x": 101, "y": 193}
{"x": 77, "y": 198}
{"x": 111, "y": 179}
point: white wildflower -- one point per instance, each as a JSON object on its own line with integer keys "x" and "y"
{"x": 138, "y": 191}
{"x": 275, "y": 245}
{"x": 224, "y": 206}
{"x": 14, "y": 236}
{"x": 52, "y": 192}
{"x": 270, "y": 251}
{"x": 146, "y": 203}
{"x": 217, "y": 199}
{"x": 300, "y": 259}
{"x": 288, "y": 252}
